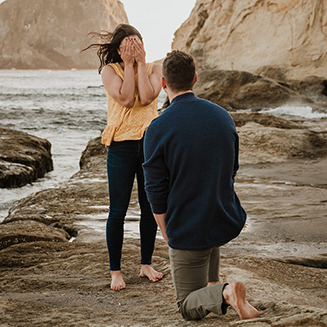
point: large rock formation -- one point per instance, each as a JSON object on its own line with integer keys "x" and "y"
{"x": 235, "y": 90}
{"x": 247, "y": 35}
{"x": 23, "y": 158}
{"x": 51, "y": 33}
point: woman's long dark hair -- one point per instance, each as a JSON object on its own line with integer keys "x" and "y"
{"x": 110, "y": 42}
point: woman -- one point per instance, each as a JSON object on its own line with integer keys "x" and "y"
{"x": 132, "y": 88}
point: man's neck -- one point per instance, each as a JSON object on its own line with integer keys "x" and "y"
{"x": 172, "y": 94}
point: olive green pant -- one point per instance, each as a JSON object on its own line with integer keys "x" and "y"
{"x": 191, "y": 270}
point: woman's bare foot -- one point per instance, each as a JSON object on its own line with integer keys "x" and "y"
{"x": 151, "y": 273}
{"x": 234, "y": 295}
{"x": 117, "y": 281}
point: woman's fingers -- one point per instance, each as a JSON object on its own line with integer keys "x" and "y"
{"x": 128, "y": 51}
{"x": 132, "y": 50}
{"x": 139, "y": 50}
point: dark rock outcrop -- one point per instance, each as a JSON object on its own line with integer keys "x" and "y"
{"x": 311, "y": 87}
{"x": 92, "y": 152}
{"x": 29, "y": 231}
{"x": 23, "y": 158}
{"x": 241, "y": 118}
{"x": 236, "y": 90}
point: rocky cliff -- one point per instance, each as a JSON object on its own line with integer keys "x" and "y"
{"x": 283, "y": 36}
{"x": 51, "y": 33}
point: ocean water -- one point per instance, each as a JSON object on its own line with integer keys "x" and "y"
{"x": 68, "y": 108}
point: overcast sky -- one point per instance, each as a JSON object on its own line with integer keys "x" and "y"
{"x": 157, "y": 21}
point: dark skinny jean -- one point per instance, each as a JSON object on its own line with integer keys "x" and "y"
{"x": 124, "y": 161}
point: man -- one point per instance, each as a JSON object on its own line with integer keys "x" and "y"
{"x": 191, "y": 158}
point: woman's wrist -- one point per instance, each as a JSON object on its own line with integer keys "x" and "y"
{"x": 129, "y": 64}
{"x": 141, "y": 63}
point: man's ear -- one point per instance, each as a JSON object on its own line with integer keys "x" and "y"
{"x": 163, "y": 82}
{"x": 195, "y": 78}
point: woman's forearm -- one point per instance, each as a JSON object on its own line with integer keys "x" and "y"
{"x": 127, "y": 89}
{"x": 147, "y": 93}
{"x": 148, "y": 86}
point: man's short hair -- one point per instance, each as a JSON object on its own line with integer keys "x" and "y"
{"x": 178, "y": 69}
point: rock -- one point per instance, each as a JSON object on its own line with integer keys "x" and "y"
{"x": 236, "y": 90}
{"x": 264, "y": 144}
{"x": 93, "y": 150}
{"x": 29, "y": 231}
{"x": 64, "y": 207}
{"x": 246, "y": 35}
{"x": 241, "y": 118}
{"x": 23, "y": 158}
{"x": 84, "y": 195}
{"x": 315, "y": 262}
{"x": 51, "y": 34}
{"x": 313, "y": 88}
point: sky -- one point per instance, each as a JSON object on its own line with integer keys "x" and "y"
{"x": 157, "y": 22}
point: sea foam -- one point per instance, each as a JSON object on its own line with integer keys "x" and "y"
{"x": 295, "y": 111}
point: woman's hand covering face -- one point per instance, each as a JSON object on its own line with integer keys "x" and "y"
{"x": 132, "y": 50}
{"x": 127, "y": 51}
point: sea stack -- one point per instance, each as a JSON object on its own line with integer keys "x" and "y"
{"x": 46, "y": 34}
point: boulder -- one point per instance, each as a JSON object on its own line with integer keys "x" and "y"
{"x": 241, "y": 118}
{"x": 266, "y": 144}
{"x": 23, "y": 158}
{"x": 29, "y": 231}
{"x": 236, "y": 90}
{"x": 51, "y": 34}
{"x": 313, "y": 88}
{"x": 93, "y": 151}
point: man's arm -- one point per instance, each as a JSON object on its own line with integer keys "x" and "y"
{"x": 156, "y": 177}
{"x": 160, "y": 219}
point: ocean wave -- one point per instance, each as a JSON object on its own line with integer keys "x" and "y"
{"x": 295, "y": 111}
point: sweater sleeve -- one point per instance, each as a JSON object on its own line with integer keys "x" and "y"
{"x": 156, "y": 174}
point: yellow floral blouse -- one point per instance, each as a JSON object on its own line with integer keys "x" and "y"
{"x": 128, "y": 123}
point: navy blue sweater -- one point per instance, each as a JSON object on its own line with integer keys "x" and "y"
{"x": 191, "y": 158}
